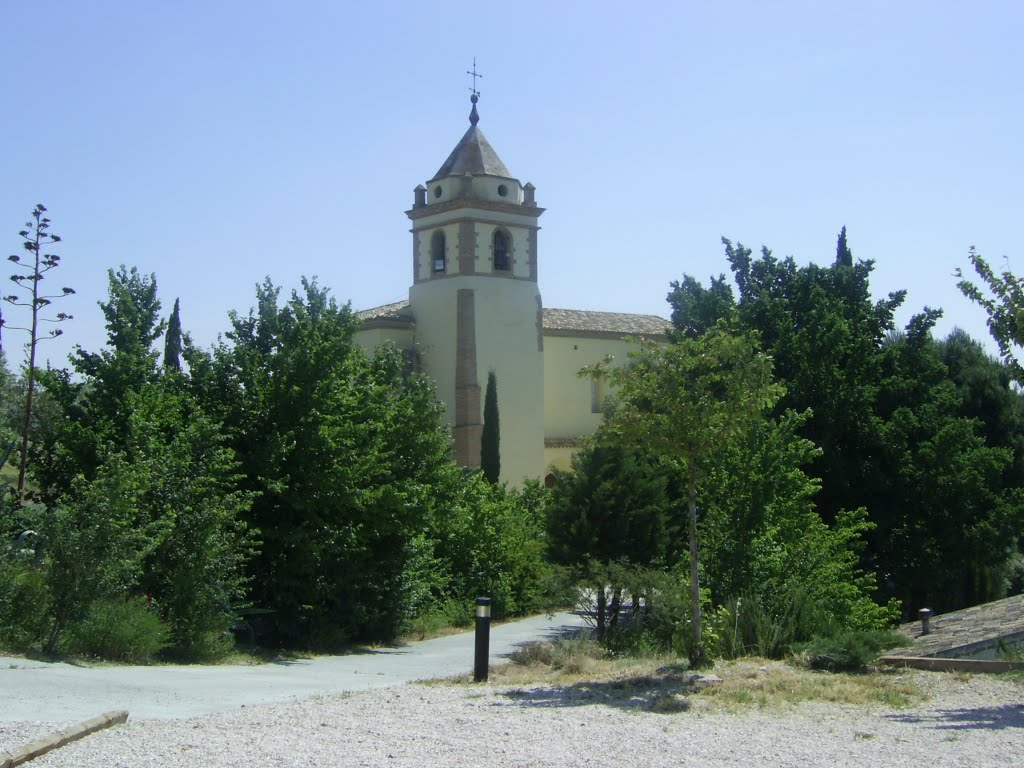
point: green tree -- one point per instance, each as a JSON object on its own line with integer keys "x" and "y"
{"x": 172, "y": 527}
{"x": 490, "y": 439}
{"x": 94, "y": 403}
{"x": 685, "y": 401}
{"x": 824, "y": 334}
{"x": 36, "y": 237}
{"x": 764, "y": 542}
{"x": 844, "y": 256}
{"x": 1001, "y": 295}
{"x": 696, "y": 309}
{"x": 946, "y": 515}
{"x": 172, "y": 340}
{"x": 613, "y": 509}
{"x": 343, "y": 453}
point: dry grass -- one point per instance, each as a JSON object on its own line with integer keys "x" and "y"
{"x": 580, "y": 672}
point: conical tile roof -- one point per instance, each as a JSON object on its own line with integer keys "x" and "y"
{"x": 473, "y": 154}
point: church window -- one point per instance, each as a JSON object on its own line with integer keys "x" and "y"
{"x": 502, "y": 251}
{"x": 437, "y": 248}
{"x": 437, "y": 191}
{"x": 597, "y": 393}
{"x": 502, "y": 190}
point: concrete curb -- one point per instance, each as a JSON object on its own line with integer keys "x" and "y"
{"x": 61, "y": 739}
{"x": 937, "y": 664}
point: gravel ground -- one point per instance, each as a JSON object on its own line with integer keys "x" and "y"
{"x": 975, "y": 721}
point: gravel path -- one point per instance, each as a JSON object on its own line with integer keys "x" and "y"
{"x": 976, "y": 722}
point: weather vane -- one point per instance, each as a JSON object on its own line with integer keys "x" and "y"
{"x": 475, "y": 75}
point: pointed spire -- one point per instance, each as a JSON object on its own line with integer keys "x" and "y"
{"x": 474, "y": 117}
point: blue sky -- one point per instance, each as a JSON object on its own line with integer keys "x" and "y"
{"x": 215, "y": 143}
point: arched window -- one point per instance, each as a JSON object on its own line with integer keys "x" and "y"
{"x": 502, "y": 251}
{"x": 549, "y": 481}
{"x": 437, "y": 248}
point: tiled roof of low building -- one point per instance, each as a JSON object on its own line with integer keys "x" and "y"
{"x": 563, "y": 321}
{"x": 396, "y": 310}
{"x": 605, "y": 322}
{"x": 960, "y": 633}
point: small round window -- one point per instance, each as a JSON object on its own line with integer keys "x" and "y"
{"x": 502, "y": 190}
{"x": 437, "y": 191}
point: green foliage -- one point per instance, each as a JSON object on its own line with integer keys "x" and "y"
{"x": 757, "y": 626}
{"x": 172, "y": 340}
{"x": 490, "y": 438}
{"x": 764, "y": 540}
{"x": 24, "y": 594}
{"x": 489, "y": 541}
{"x": 685, "y": 401}
{"x": 345, "y": 454}
{"x": 926, "y": 438}
{"x": 696, "y": 309}
{"x": 143, "y": 491}
{"x": 850, "y": 651}
{"x": 943, "y": 500}
{"x": 614, "y": 506}
{"x": 1001, "y": 295}
{"x": 125, "y": 630}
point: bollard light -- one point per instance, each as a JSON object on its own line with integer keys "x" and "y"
{"x": 483, "y": 639}
{"x": 925, "y": 614}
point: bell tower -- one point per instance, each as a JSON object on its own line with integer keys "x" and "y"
{"x": 476, "y": 302}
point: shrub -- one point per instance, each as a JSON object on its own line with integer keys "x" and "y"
{"x": 23, "y": 603}
{"x": 125, "y": 630}
{"x": 850, "y": 651}
{"x": 746, "y": 626}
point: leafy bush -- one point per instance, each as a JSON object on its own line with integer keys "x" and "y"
{"x": 24, "y": 598}
{"x": 125, "y": 630}
{"x": 746, "y": 626}
{"x": 850, "y": 651}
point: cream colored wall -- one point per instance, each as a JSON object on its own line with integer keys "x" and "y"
{"x": 433, "y": 305}
{"x": 370, "y": 339}
{"x": 558, "y": 458}
{"x": 567, "y": 397}
{"x": 506, "y": 341}
{"x": 483, "y": 187}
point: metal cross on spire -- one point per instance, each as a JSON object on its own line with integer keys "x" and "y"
{"x": 475, "y": 75}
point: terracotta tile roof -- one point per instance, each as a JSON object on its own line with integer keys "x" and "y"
{"x": 562, "y": 321}
{"x": 605, "y": 322}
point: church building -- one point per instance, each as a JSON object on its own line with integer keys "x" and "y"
{"x": 475, "y": 307}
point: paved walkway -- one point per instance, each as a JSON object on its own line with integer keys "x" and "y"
{"x": 33, "y": 690}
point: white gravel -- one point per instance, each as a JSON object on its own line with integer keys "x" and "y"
{"x": 976, "y": 722}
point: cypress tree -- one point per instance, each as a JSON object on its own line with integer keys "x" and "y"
{"x": 172, "y": 341}
{"x": 490, "y": 458}
{"x": 844, "y": 256}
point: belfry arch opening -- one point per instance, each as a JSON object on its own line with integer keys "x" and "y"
{"x": 437, "y": 251}
{"x": 502, "y": 247}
